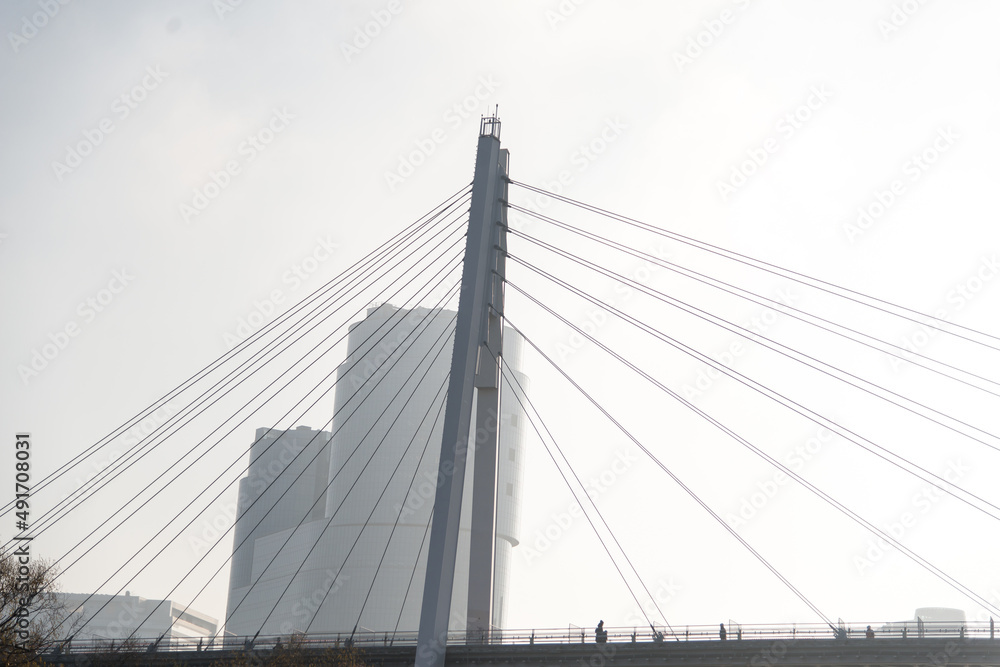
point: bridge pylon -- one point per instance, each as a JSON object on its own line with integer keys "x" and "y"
{"x": 475, "y": 376}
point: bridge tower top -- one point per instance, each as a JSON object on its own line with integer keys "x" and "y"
{"x": 489, "y": 126}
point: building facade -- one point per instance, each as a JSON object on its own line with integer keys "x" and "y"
{"x": 116, "y": 617}
{"x": 348, "y": 549}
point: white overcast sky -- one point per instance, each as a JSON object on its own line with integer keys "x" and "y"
{"x": 879, "y": 105}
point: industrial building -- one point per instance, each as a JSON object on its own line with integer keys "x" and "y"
{"x": 116, "y": 617}
{"x": 345, "y": 548}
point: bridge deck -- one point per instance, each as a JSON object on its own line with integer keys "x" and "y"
{"x": 936, "y": 652}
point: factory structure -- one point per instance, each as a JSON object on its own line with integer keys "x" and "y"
{"x": 332, "y": 528}
{"x": 116, "y": 618}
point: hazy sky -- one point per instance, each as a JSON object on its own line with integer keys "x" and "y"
{"x": 170, "y": 168}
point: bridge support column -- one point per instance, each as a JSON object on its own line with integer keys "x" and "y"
{"x": 484, "y": 480}
{"x": 471, "y": 333}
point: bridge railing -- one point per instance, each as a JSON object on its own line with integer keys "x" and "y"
{"x": 546, "y": 636}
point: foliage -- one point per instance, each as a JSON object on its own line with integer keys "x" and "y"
{"x": 121, "y": 653}
{"x": 31, "y": 612}
{"x": 295, "y": 653}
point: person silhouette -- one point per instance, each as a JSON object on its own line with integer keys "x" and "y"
{"x": 600, "y": 634}
{"x": 722, "y": 631}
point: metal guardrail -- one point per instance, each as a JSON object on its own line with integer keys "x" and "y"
{"x": 548, "y": 636}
